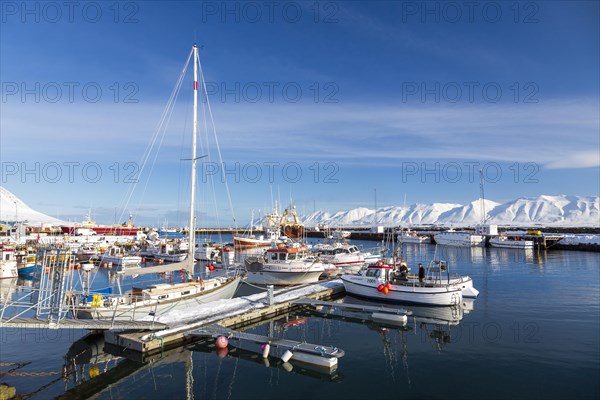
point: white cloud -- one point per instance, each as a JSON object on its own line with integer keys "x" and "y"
{"x": 557, "y": 134}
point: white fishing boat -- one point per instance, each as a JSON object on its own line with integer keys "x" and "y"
{"x": 459, "y": 238}
{"x": 219, "y": 254}
{"x": 284, "y": 265}
{"x": 172, "y": 251}
{"x": 381, "y": 282}
{"x": 342, "y": 255}
{"x": 157, "y": 299}
{"x": 86, "y": 250}
{"x": 470, "y": 239}
{"x": 510, "y": 242}
{"x": 465, "y": 283}
{"x": 340, "y": 234}
{"x": 8, "y": 264}
{"x": 408, "y": 236}
{"x": 116, "y": 255}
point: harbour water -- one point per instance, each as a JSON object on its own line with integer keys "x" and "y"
{"x": 533, "y": 332}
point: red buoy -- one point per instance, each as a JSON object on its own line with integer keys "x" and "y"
{"x": 211, "y": 267}
{"x": 388, "y": 285}
{"x": 221, "y": 342}
{"x": 380, "y": 288}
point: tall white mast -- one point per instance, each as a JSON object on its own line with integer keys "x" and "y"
{"x": 482, "y": 199}
{"x": 192, "y": 224}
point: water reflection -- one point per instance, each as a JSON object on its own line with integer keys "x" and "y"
{"x": 206, "y": 346}
{"x": 499, "y": 258}
{"x": 7, "y": 288}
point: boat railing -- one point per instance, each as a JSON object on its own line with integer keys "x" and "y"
{"x": 117, "y": 306}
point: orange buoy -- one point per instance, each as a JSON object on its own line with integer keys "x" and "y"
{"x": 385, "y": 290}
{"x": 221, "y": 342}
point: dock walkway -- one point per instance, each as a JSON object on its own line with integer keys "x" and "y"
{"x": 232, "y": 313}
{"x": 90, "y": 324}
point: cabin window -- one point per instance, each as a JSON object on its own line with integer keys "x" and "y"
{"x": 273, "y": 256}
{"x": 373, "y": 273}
{"x": 282, "y": 256}
{"x": 291, "y": 256}
{"x": 164, "y": 296}
{"x": 186, "y": 292}
{"x": 6, "y": 257}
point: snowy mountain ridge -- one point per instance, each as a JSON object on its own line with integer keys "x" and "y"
{"x": 14, "y": 209}
{"x": 561, "y": 210}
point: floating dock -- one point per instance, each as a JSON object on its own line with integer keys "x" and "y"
{"x": 323, "y": 357}
{"x": 380, "y": 314}
{"x": 233, "y": 313}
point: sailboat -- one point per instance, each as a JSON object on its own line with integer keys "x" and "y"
{"x": 154, "y": 300}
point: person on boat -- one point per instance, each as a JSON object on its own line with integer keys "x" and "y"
{"x": 403, "y": 272}
{"x": 421, "y": 273}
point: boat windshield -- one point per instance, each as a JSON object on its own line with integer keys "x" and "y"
{"x": 373, "y": 273}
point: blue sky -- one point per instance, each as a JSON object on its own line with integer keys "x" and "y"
{"x": 408, "y": 98}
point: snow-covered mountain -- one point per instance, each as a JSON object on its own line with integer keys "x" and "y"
{"x": 543, "y": 210}
{"x": 12, "y": 208}
{"x": 571, "y": 211}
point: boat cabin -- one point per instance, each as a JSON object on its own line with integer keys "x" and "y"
{"x": 114, "y": 251}
{"x": 7, "y": 255}
{"x": 339, "y": 250}
{"x": 379, "y": 271}
{"x": 285, "y": 254}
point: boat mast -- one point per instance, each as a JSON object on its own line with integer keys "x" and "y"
{"x": 482, "y": 199}
{"x": 192, "y": 229}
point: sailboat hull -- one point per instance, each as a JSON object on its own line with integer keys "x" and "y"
{"x": 152, "y": 309}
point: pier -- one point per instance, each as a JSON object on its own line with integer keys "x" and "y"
{"x": 89, "y": 324}
{"x": 235, "y": 313}
{"x": 541, "y": 241}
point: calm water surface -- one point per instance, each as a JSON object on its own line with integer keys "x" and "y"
{"x": 533, "y": 332}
